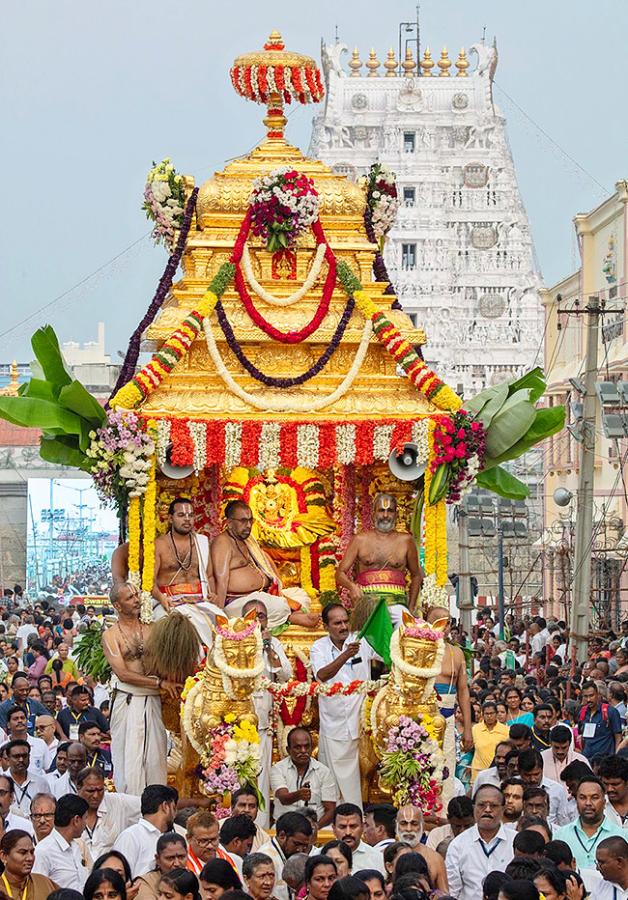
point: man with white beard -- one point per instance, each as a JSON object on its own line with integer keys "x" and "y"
{"x": 410, "y": 831}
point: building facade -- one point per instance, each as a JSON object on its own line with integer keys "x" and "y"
{"x": 603, "y": 244}
{"x": 460, "y": 255}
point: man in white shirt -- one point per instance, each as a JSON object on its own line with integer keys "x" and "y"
{"x": 459, "y": 819}
{"x": 613, "y": 770}
{"x": 486, "y": 847}
{"x": 611, "y": 859}
{"x": 497, "y": 772}
{"x": 540, "y": 634}
{"x": 339, "y": 657}
{"x": 23, "y": 633}
{"x": 348, "y": 826}
{"x": 45, "y": 729}
{"x": 77, "y": 760}
{"x": 299, "y": 780}
{"x": 293, "y": 835}
{"x": 236, "y": 839}
{"x": 108, "y": 814}
{"x": 559, "y": 753}
{"x": 25, "y": 784}
{"x": 379, "y": 825}
{"x": 11, "y": 819}
{"x": 59, "y": 855}
{"x": 17, "y": 726}
{"x": 139, "y": 842}
{"x": 276, "y": 668}
{"x": 531, "y": 773}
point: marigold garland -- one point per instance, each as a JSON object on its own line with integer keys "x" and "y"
{"x": 435, "y": 523}
{"x": 149, "y": 528}
{"x": 134, "y": 541}
{"x": 306, "y": 571}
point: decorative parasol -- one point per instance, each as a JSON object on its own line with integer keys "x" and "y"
{"x": 275, "y": 76}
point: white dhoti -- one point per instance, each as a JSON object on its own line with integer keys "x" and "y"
{"x": 447, "y": 705}
{"x": 138, "y": 738}
{"x": 343, "y": 758}
{"x": 278, "y": 608}
{"x": 263, "y": 778}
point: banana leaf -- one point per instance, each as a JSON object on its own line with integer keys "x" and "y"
{"x": 33, "y": 412}
{"x": 59, "y": 451}
{"x": 534, "y": 380}
{"x": 78, "y": 400}
{"x": 503, "y": 483}
{"x": 415, "y": 517}
{"x": 510, "y": 424}
{"x": 37, "y": 389}
{"x": 494, "y": 405}
{"x": 546, "y": 423}
{"x": 476, "y": 404}
{"x": 46, "y": 348}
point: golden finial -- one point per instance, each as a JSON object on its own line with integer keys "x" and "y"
{"x": 275, "y": 41}
{"x": 427, "y": 63}
{"x": 373, "y": 64}
{"x": 391, "y": 64}
{"x": 408, "y": 65}
{"x": 462, "y": 64}
{"x": 355, "y": 65}
{"x": 11, "y": 389}
{"x": 444, "y": 64}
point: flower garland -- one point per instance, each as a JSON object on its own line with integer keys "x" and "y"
{"x": 164, "y": 201}
{"x": 148, "y": 525}
{"x": 327, "y": 562}
{"x": 291, "y": 403}
{"x": 432, "y": 595}
{"x": 381, "y": 198}
{"x": 176, "y": 347}
{"x": 412, "y": 764}
{"x": 435, "y": 523}
{"x": 230, "y": 673}
{"x": 134, "y": 541}
{"x": 307, "y": 285}
{"x": 421, "y": 376}
{"x": 228, "y": 635}
{"x": 295, "y": 688}
{"x": 430, "y": 673}
{"x": 283, "y": 204}
{"x": 121, "y": 452}
{"x": 164, "y": 285}
{"x": 260, "y": 82}
{"x": 231, "y": 761}
{"x": 305, "y": 558}
{"x": 289, "y": 337}
{"x": 459, "y": 451}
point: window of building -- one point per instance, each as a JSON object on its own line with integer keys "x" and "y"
{"x": 409, "y": 141}
{"x": 409, "y": 196}
{"x": 408, "y": 256}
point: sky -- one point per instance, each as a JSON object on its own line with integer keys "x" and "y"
{"x": 92, "y": 92}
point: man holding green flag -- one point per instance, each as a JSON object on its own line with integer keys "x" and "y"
{"x": 378, "y": 629}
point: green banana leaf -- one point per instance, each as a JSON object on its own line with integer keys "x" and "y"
{"x": 46, "y": 348}
{"x": 37, "y": 389}
{"x": 32, "y": 412}
{"x": 440, "y": 482}
{"x": 476, "y": 404}
{"x": 503, "y": 483}
{"x": 56, "y": 450}
{"x": 78, "y": 400}
{"x": 534, "y": 380}
{"x": 546, "y": 423}
{"x": 510, "y": 424}
{"x": 415, "y": 517}
{"x": 494, "y": 405}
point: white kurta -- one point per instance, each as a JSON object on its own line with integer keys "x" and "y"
{"x": 138, "y": 738}
{"x": 263, "y": 703}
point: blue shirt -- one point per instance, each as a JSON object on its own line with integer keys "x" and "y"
{"x": 32, "y": 707}
{"x": 603, "y": 742}
{"x": 582, "y": 846}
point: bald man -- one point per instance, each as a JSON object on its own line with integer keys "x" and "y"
{"x": 375, "y": 566}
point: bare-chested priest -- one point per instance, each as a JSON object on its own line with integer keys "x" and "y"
{"x": 243, "y": 572}
{"x": 183, "y": 571}
{"x": 453, "y": 690}
{"x": 138, "y": 736}
{"x": 380, "y": 559}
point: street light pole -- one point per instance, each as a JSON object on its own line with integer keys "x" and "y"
{"x": 500, "y": 579}
{"x": 581, "y": 605}
{"x": 465, "y": 600}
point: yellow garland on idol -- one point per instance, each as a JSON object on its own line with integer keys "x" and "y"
{"x": 435, "y": 523}
{"x": 306, "y": 572}
{"x": 134, "y": 541}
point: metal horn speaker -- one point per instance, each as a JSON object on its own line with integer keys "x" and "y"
{"x": 405, "y": 465}
{"x": 172, "y": 471}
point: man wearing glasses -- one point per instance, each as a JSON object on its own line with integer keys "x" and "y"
{"x": 10, "y": 819}
{"x": 42, "y": 815}
{"x": 203, "y": 839}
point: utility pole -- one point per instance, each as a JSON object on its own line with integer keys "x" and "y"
{"x": 581, "y": 605}
{"x": 465, "y": 599}
{"x": 501, "y": 601}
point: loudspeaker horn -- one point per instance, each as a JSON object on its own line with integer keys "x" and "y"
{"x": 172, "y": 471}
{"x": 405, "y": 465}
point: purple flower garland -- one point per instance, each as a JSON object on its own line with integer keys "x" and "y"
{"x": 269, "y": 380}
{"x": 379, "y": 266}
{"x": 165, "y": 283}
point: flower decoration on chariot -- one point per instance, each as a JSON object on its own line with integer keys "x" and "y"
{"x": 283, "y": 205}
{"x": 164, "y": 201}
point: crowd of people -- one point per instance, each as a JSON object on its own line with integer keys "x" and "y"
{"x": 540, "y": 803}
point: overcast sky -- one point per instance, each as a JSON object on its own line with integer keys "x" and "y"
{"x": 91, "y": 92}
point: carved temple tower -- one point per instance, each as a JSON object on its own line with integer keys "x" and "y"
{"x": 460, "y": 254}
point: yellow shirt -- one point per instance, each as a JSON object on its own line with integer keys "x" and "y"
{"x": 485, "y": 741}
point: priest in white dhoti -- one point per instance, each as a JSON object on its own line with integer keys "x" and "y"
{"x": 243, "y": 572}
{"x": 138, "y": 736}
{"x": 341, "y": 657}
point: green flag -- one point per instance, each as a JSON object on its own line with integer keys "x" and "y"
{"x": 378, "y": 630}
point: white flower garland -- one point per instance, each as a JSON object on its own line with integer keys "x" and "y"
{"x": 345, "y": 444}
{"x": 419, "y": 437}
{"x": 382, "y": 436}
{"x": 231, "y": 673}
{"x": 415, "y": 671}
{"x": 263, "y": 294}
{"x": 432, "y": 595}
{"x": 198, "y": 433}
{"x": 286, "y": 404}
{"x": 307, "y": 446}
{"x": 270, "y": 446}
{"x": 190, "y": 723}
{"x": 233, "y": 444}
{"x": 163, "y": 439}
